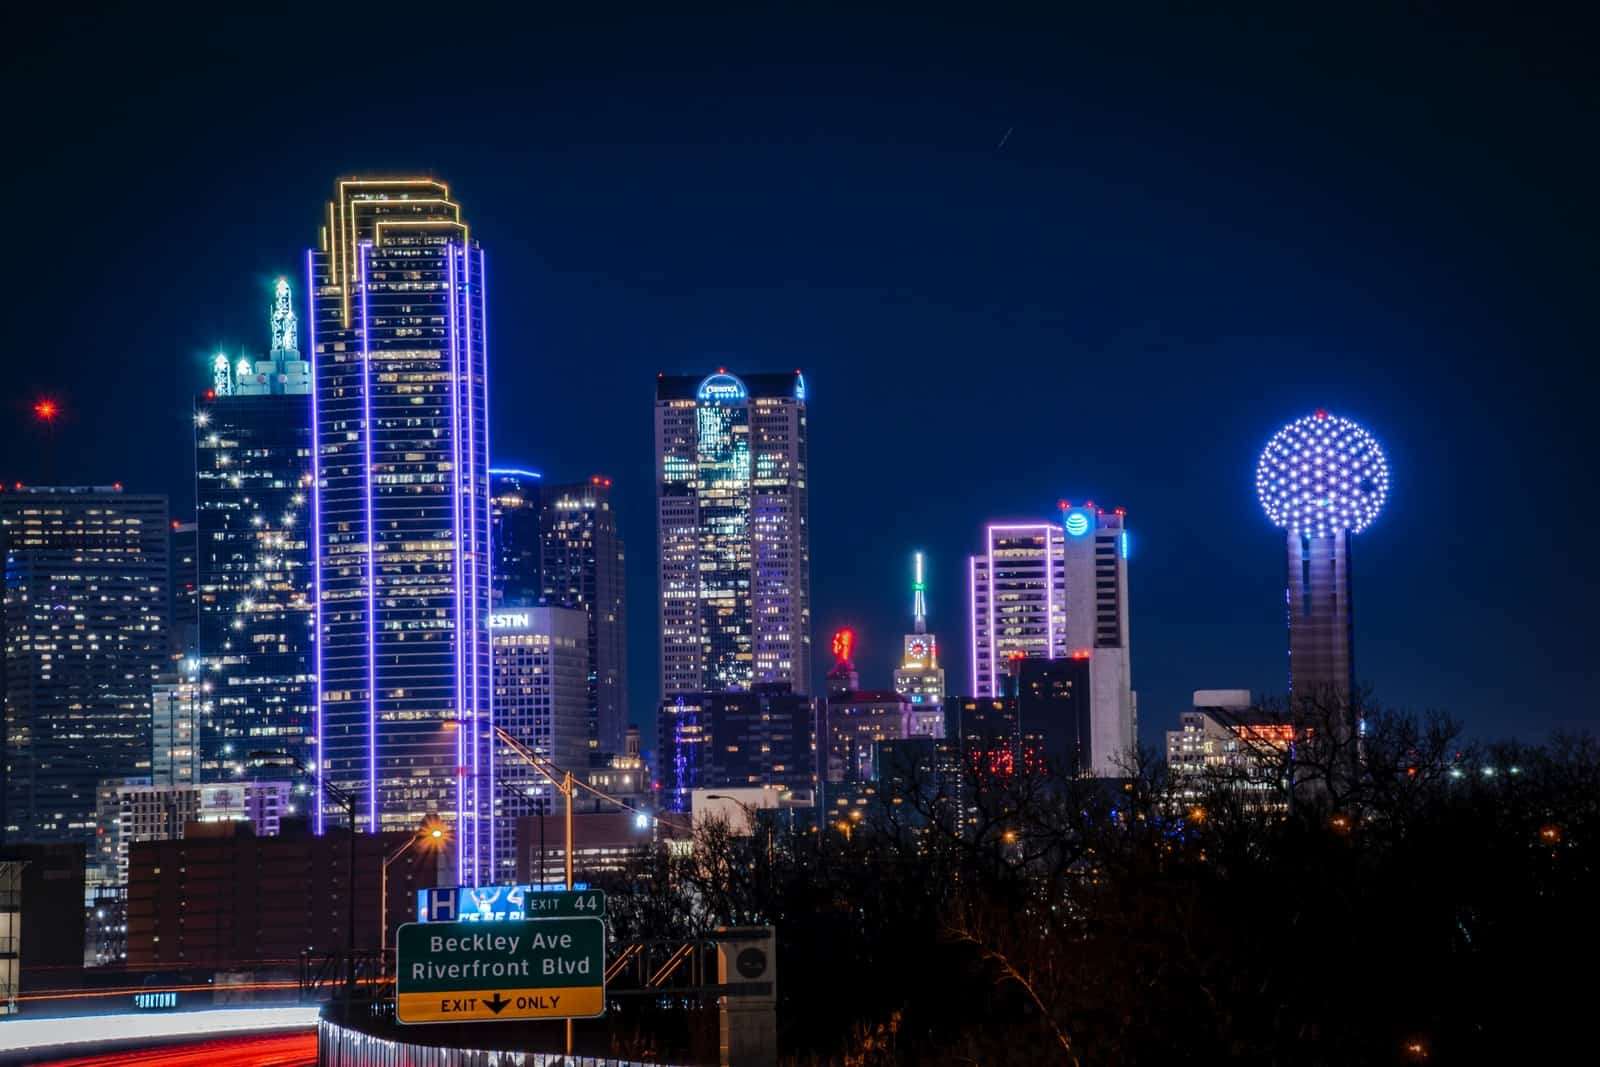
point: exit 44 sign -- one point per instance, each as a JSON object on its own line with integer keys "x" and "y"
{"x": 481, "y": 972}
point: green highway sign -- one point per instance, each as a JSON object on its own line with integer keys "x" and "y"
{"x": 561, "y": 903}
{"x": 481, "y": 972}
{"x": 498, "y": 903}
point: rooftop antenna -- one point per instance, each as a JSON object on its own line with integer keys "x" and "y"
{"x": 285, "y": 333}
{"x": 221, "y": 375}
{"x": 919, "y": 598}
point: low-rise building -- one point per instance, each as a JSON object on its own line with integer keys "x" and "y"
{"x": 1224, "y": 741}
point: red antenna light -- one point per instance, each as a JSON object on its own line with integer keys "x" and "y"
{"x": 1321, "y": 413}
{"x": 46, "y": 410}
{"x": 1063, "y": 504}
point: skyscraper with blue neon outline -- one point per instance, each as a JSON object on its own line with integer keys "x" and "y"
{"x": 399, "y": 353}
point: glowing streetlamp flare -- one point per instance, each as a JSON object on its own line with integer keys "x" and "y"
{"x": 1322, "y": 475}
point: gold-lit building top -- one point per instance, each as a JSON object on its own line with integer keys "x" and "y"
{"x": 363, "y": 207}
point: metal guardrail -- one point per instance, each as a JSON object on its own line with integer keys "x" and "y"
{"x": 367, "y": 975}
{"x": 649, "y": 967}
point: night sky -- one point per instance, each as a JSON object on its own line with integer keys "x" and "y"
{"x": 1018, "y": 260}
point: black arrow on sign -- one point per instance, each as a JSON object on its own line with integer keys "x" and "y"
{"x": 497, "y": 1005}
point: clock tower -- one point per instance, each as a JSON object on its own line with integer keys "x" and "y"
{"x": 919, "y": 678}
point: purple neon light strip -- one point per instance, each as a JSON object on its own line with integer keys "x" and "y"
{"x": 455, "y": 562}
{"x": 476, "y": 794}
{"x": 1049, "y": 580}
{"x": 316, "y": 533}
{"x": 372, "y": 562}
{"x": 488, "y": 555}
{"x": 994, "y": 638}
{"x": 1050, "y": 592}
{"x": 972, "y": 597}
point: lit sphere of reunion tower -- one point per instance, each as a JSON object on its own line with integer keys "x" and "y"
{"x": 1322, "y": 475}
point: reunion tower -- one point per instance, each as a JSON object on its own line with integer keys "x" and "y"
{"x": 1322, "y": 479}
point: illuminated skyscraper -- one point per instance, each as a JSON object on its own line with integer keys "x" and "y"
{"x": 177, "y": 705}
{"x": 763, "y": 737}
{"x": 735, "y": 570}
{"x": 1095, "y": 552}
{"x": 919, "y": 678}
{"x": 399, "y": 360}
{"x": 86, "y": 618}
{"x": 1018, "y": 601}
{"x": 557, "y": 545}
{"x": 541, "y": 671}
{"x": 514, "y": 507}
{"x": 1323, "y": 479}
{"x": 1053, "y": 590}
{"x": 184, "y": 555}
{"x": 252, "y": 448}
{"x": 581, "y": 566}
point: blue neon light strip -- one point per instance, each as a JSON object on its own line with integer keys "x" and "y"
{"x": 455, "y": 563}
{"x": 488, "y": 557}
{"x": 472, "y": 572}
{"x": 316, "y": 534}
{"x": 372, "y": 568}
{"x": 500, "y": 470}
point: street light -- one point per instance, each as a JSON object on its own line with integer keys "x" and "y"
{"x": 751, "y": 821}
{"x": 346, "y": 800}
{"x": 432, "y": 834}
{"x": 563, "y": 784}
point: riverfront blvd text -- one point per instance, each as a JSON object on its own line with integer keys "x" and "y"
{"x": 507, "y": 944}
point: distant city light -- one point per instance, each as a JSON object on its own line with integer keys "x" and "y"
{"x": 46, "y": 410}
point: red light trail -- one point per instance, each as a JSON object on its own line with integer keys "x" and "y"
{"x": 267, "y": 1050}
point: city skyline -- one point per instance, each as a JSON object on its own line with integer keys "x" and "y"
{"x": 1168, "y": 287}
{"x": 582, "y": 520}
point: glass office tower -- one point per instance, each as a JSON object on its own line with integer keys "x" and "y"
{"x": 735, "y": 564}
{"x": 252, "y": 447}
{"x": 403, "y": 565}
{"x": 86, "y": 619}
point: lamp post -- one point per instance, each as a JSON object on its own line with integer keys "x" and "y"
{"x": 751, "y": 819}
{"x": 346, "y": 800}
{"x": 566, "y": 787}
{"x": 432, "y": 836}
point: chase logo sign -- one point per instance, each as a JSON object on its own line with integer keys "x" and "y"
{"x": 722, "y": 388}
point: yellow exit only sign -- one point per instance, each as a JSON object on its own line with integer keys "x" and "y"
{"x": 487, "y": 1005}
{"x": 484, "y": 972}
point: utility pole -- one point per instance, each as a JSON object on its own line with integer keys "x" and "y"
{"x": 346, "y": 800}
